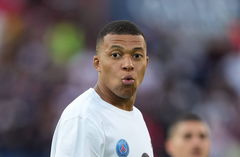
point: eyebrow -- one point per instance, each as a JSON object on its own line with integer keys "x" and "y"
{"x": 120, "y": 47}
{"x": 116, "y": 47}
{"x": 138, "y": 48}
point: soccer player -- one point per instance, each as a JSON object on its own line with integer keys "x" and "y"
{"x": 103, "y": 121}
{"x": 188, "y": 137}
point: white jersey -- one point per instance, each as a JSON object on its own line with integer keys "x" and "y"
{"x": 91, "y": 127}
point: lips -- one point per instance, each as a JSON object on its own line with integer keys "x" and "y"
{"x": 196, "y": 152}
{"x": 128, "y": 80}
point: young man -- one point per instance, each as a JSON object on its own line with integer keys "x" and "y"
{"x": 188, "y": 137}
{"x": 103, "y": 122}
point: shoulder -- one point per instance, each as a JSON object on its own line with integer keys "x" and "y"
{"x": 80, "y": 108}
{"x": 137, "y": 111}
{"x": 77, "y": 132}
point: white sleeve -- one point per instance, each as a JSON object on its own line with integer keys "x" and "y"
{"x": 77, "y": 137}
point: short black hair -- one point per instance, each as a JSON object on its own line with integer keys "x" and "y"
{"x": 120, "y": 27}
{"x": 182, "y": 118}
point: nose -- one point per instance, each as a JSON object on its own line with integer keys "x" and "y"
{"x": 196, "y": 141}
{"x": 127, "y": 64}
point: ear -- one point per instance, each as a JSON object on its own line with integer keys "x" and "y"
{"x": 147, "y": 60}
{"x": 168, "y": 147}
{"x": 96, "y": 63}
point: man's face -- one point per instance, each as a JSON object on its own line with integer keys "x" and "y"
{"x": 189, "y": 139}
{"x": 121, "y": 63}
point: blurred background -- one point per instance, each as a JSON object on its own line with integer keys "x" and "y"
{"x": 46, "y": 49}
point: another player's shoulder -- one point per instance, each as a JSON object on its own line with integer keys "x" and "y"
{"x": 80, "y": 107}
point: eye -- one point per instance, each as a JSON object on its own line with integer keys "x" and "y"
{"x": 187, "y": 136}
{"x": 137, "y": 56}
{"x": 116, "y": 55}
{"x": 202, "y": 136}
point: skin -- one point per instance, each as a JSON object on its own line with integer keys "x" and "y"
{"x": 189, "y": 139}
{"x": 118, "y": 57}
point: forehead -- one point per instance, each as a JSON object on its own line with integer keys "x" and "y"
{"x": 124, "y": 40}
{"x": 191, "y": 127}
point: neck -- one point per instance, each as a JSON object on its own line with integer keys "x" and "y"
{"x": 108, "y": 96}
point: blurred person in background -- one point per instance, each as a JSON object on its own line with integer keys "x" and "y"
{"x": 101, "y": 121}
{"x": 188, "y": 136}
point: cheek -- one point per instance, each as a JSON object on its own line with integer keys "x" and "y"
{"x": 108, "y": 72}
{"x": 141, "y": 72}
{"x": 207, "y": 146}
{"x": 179, "y": 147}
{"x": 181, "y": 144}
{"x": 183, "y": 147}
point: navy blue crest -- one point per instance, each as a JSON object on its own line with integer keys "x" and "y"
{"x": 145, "y": 155}
{"x": 122, "y": 148}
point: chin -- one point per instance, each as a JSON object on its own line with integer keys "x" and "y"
{"x": 198, "y": 155}
{"x": 125, "y": 96}
{"x": 127, "y": 92}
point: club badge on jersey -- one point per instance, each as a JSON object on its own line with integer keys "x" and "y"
{"x": 145, "y": 155}
{"x": 122, "y": 148}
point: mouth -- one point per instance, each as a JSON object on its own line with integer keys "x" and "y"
{"x": 128, "y": 80}
{"x": 197, "y": 152}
